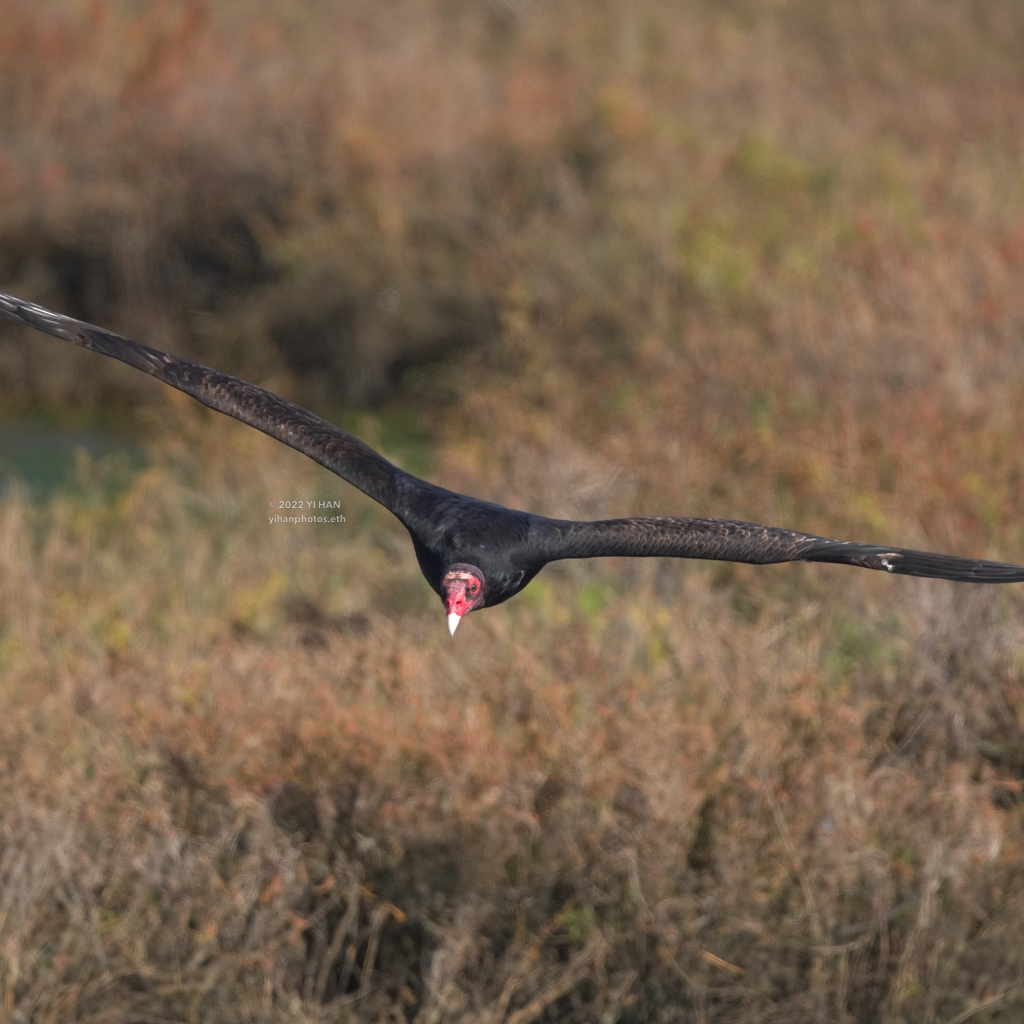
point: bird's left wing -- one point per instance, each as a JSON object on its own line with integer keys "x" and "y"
{"x": 339, "y": 451}
{"x": 730, "y": 541}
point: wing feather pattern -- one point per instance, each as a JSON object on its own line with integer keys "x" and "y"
{"x": 727, "y": 540}
{"x": 339, "y": 451}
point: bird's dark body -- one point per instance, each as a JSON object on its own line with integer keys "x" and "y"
{"x": 449, "y": 528}
{"x": 508, "y": 547}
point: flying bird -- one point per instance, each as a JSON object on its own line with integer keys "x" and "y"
{"x": 475, "y": 554}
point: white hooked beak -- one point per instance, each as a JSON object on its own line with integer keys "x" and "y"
{"x": 453, "y": 622}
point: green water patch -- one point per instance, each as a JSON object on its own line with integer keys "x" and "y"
{"x": 47, "y": 459}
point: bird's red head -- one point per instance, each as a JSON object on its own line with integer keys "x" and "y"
{"x": 462, "y": 590}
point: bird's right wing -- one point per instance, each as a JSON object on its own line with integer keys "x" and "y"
{"x": 729, "y": 541}
{"x": 339, "y": 451}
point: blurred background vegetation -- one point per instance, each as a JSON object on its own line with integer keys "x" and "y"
{"x": 760, "y": 259}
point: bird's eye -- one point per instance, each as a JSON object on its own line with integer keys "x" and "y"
{"x": 473, "y": 586}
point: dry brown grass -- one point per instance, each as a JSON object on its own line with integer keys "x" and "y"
{"x": 754, "y": 260}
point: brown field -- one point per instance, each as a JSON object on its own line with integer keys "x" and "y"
{"x": 758, "y": 259}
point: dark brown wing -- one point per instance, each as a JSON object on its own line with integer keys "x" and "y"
{"x": 728, "y": 541}
{"x": 327, "y": 444}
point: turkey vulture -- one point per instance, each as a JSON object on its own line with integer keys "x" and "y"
{"x": 473, "y": 553}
